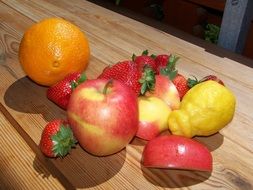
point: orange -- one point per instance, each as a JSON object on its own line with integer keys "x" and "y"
{"x": 51, "y": 49}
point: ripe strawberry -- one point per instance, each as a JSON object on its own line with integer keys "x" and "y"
{"x": 57, "y": 139}
{"x": 193, "y": 82}
{"x": 128, "y": 73}
{"x": 181, "y": 84}
{"x": 61, "y": 91}
{"x": 125, "y": 71}
{"x": 161, "y": 61}
{"x": 144, "y": 60}
{"x": 214, "y": 78}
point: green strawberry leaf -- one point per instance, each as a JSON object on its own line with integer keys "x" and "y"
{"x": 172, "y": 74}
{"x": 133, "y": 57}
{"x": 80, "y": 80}
{"x": 145, "y": 52}
{"x": 170, "y": 70}
{"x": 143, "y": 88}
{"x": 192, "y": 82}
{"x": 73, "y": 85}
{"x": 63, "y": 141}
{"x": 147, "y": 80}
{"x": 172, "y": 62}
{"x": 153, "y": 56}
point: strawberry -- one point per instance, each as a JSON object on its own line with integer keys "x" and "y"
{"x": 144, "y": 60}
{"x": 193, "y": 82}
{"x": 57, "y": 139}
{"x": 61, "y": 91}
{"x": 181, "y": 84}
{"x": 214, "y": 78}
{"x": 161, "y": 61}
{"x": 128, "y": 72}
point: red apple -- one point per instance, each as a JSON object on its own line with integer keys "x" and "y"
{"x": 177, "y": 152}
{"x": 153, "y": 117}
{"x": 167, "y": 91}
{"x": 103, "y": 116}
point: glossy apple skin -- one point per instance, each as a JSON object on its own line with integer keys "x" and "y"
{"x": 153, "y": 117}
{"x": 103, "y": 123}
{"x": 167, "y": 91}
{"x": 176, "y": 152}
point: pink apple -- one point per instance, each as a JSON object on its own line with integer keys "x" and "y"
{"x": 167, "y": 91}
{"x": 103, "y": 116}
{"x": 153, "y": 117}
{"x": 176, "y": 152}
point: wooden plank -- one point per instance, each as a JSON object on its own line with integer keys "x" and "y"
{"x": 235, "y": 24}
{"x": 20, "y": 167}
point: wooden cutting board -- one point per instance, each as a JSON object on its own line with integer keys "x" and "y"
{"x": 25, "y": 110}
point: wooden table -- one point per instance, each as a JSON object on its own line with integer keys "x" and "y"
{"x": 25, "y": 110}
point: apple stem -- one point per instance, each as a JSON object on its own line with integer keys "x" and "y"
{"x": 109, "y": 83}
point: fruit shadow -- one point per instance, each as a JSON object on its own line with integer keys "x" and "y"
{"x": 212, "y": 142}
{"x": 81, "y": 169}
{"x": 26, "y": 96}
{"x": 138, "y": 142}
{"x": 173, "y": 178}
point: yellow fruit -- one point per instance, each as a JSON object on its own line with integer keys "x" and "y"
{"x": 154, "y": 110}
{"x": 205, "y": 109}
{"x": 153, "y": 117}
{"x": 51, "y": 49}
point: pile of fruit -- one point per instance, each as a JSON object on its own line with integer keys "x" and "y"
{"x": 142, "y": 97}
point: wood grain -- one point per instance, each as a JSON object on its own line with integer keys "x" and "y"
{"x": 112, "y": 38}
{"x": 20, "y": 168}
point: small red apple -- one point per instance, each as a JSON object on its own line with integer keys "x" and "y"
{"x": 177, "y": 152}
{"x": 167, "y": 91}
{"x": 153, "y": 117}
{"x": 103, "y": 116}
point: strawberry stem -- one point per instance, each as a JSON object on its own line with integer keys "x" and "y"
{"x": 145, "y": 52}
{"x": 63, "y": 141}
{"x": 80, "y": 80}
{"x": 153, "y": 56}
{"x": 192, "y": 82}
{"x": 147, "y": 80}
{"x": 170, "y": 69}
{"x": 133, "y": 57}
